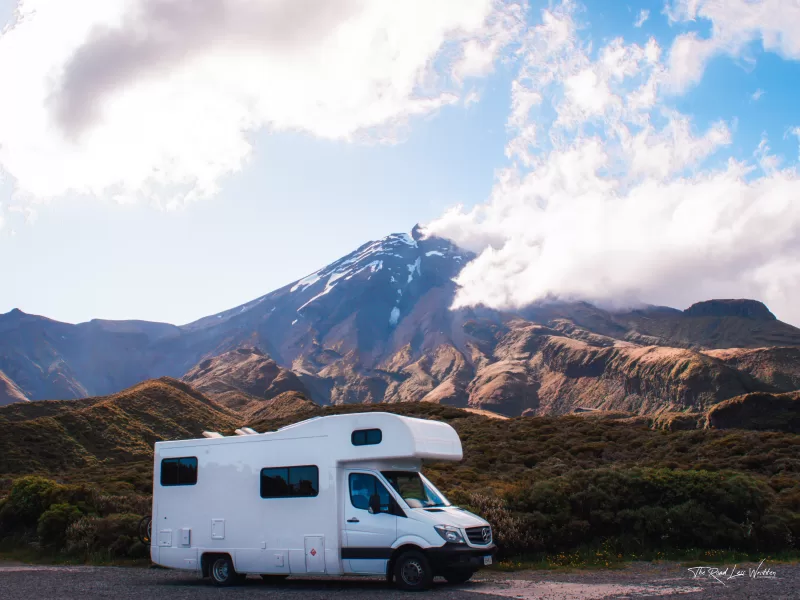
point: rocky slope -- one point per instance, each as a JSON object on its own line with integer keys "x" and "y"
{"x": 9, "y": 391}
{"x": 243, "y": 378}
{"x": 376, "y": 326}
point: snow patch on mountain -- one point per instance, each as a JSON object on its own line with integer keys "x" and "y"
{"x": 305, "y": 282}
{"x": 406, "y": 239}
{"x": 412, "y": 268}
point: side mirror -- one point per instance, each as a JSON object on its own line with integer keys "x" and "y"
{"x": 374, "y": 504}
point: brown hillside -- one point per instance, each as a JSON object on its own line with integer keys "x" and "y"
{"x": 759, "y": 411}
{"x": 536, "y": 370}
{"x": 777, "y": 368}
{"x": 109, "y": 430}
{"x": 241, "y": 377}
{"x": 288, "y": 405}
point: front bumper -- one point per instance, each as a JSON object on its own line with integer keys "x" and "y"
{"x": 458, "y": 557}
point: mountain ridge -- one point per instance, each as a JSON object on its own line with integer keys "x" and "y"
{"x": 376, "y": 326}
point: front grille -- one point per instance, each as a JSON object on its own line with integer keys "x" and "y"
{"x": 480, "y": 536}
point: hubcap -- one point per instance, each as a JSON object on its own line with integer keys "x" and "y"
{"x": 412, "y": 572}
{"x": 220, "y": 570}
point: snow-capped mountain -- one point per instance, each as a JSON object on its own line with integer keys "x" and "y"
{"x": 354, "y": 314}
{"x": 376, "y": 326}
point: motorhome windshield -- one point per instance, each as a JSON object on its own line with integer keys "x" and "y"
{"x": 417, "y": 491}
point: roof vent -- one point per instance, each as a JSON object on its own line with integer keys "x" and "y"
{"x": 245, "y": 431}
{"x": 212, "y": 434}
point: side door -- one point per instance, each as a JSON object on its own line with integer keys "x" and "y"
{"x": 369, "y": 533}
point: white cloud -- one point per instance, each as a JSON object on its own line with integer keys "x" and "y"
{"x": 625, "y": 201}
{"x": 757, "y": 95}
{"x": 687, "y": 60}
{"x": 157, "y": 98}
{"x": 735, "y": 25}
{"x": 769, "y": 163}
{"x": 473, "y": 97}
{"x": 643, "y": 16}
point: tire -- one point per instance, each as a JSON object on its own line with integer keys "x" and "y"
{"x": 146, "y": 530}
{"x": 458, "y": 577}
{"x": 274, "y": 578}
{"x": 222, "y": 573}
{"x": 412, "y": 572}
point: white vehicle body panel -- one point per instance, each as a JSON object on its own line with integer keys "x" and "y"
{"x": 223, "y": 512}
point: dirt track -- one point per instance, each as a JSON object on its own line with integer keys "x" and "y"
{"x": 667, "y": 581}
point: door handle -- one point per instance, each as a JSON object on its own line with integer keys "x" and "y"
{"x": 353, "y": 520}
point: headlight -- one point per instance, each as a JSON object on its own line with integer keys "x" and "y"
{"x": 450, "y": 534}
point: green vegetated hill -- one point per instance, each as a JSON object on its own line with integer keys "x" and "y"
{"x": 60, "y": 435}
{"x": 556, "y": 484}
{"x": 549, "y": 485}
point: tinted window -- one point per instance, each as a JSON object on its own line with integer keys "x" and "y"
{"x": 274, "y": 483}
{"x": 366, "y": 437}
{"x": 179, "y": 471}
{"x": 290, "y": 482}
{"x": 362, "y": 488}
{"x": 303, "y": 481}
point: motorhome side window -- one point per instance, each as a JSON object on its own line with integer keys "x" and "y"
{"x": 179, "y": 471}
{"x": 366, "y": 437}
{"x": 290, "y": 482}
{"x": 363, "y": 487}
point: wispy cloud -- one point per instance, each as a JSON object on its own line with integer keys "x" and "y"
{"x": 736, "y": 24}
{"x": 642, "y": 18}
{"x": 157, "y": 99}
{"x": 614, "y": 196}
{"x": 757, "y": 95}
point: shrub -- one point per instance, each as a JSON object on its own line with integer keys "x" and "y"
{"x": 29, "y": 497}
{"x": 107, "y": 504}
{"x": 654, "y": 508}
{"x": 53, "y": 524}
{"x": 511, "y": 533}
{"x": 114, "y": 534}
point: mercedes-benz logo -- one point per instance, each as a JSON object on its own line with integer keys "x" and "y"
{"x": 487, "y": 534}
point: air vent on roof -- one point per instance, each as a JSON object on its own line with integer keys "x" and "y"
{"x": 212, "y": 434}
{"x": 246, "y": 431}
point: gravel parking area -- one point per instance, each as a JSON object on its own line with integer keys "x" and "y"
{"x": 640, "y": 580}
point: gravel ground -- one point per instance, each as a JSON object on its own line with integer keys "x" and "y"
{"x": 640, "y": 580}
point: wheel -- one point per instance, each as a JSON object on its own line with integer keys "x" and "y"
{"x": 146, "y": 530}
{"x": 277, "y": 578}
{"x": 413, "y": 572}
{"x": 457, "y": 577}
{"x": 222, "y": 572}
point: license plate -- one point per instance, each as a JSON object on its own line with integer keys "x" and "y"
{"x": 487, "y": 560}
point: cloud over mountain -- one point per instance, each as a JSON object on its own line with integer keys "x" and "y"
{"x": 615, "y": 196}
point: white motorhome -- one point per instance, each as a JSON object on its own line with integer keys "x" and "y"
{"x": 336, "y": 495}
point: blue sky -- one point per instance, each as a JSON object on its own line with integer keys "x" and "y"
{"x": 309, "y": 193}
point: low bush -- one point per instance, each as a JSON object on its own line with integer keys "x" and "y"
{"x": 75, "y": 519}
{"x": 53, "y": 523}
{"x": 28, "y": 499}
{"x": 638, "y": 510}
{"x": 115, "y": 535}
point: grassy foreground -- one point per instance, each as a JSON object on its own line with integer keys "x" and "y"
{"x": 567, "y": 492}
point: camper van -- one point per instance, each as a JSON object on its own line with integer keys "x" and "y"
{"x": 331, "y": 496}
